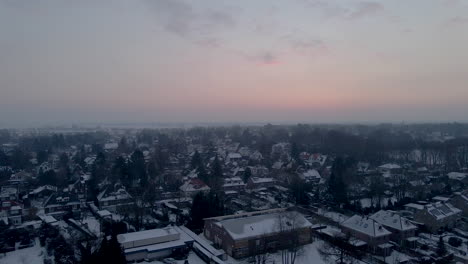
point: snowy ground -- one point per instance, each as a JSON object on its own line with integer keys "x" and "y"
{"x": 334, "y": 216}
{"x": 33, "y": 254}
{"x": 309, "y": 255}
{"x": 367, "y": 202}
{"x": 192, "y": 259}
{"x": 93, "y": 225}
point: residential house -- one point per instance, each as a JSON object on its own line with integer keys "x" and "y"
{"x": 113, "y": 200}
{"x": 42, "y": 191}
{"x": 390, "y": 169}
{"x": 311, "y": 176}
{"x": 401, "y": 228}
{"x": 257, "y": 182}
{"x": 317, "y": 160}
{"x": 13, "y": 211}
{"x": 59, "y": 204}
{"x": 438, "y": 215}
{"x": 259, "y": 171}
{"x": 282, "y": 148}
{"x": 256, "y": 155}
{"x": 460, "y": 201}
{"x": 193, "y": 186}
{"x": 233, "y": 184}
{"x": 19, "y": 178}
{"x": 9, "y": 193}
{"x": 370, "y": 231}
{"x": 233, "y": 157}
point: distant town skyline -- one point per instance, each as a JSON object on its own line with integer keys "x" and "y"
{"x": 312, "y": 61}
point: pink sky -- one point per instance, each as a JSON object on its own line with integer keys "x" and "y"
{"x": 233, "y": 61}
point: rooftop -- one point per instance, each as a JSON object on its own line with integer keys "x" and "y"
{"x": 257, "y": 225}
{"x": 393, "y": 220}
{"x": 366, "y": 226}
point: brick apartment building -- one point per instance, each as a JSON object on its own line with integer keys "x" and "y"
{"x": 258, "y": 232}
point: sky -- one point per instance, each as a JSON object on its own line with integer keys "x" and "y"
{"x": 310, "y": 61}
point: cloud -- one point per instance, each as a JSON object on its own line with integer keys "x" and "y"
{"x": 265, "y": 58}
{"x": 364, "y": 9}
{"x": 181, "y": 18}
{"x": 451, "y": 3}
{"x": 309, "y": 47}
{"x": 177, "y": 16}
{"x": 331, "y": 9}
{"x": 328, "y": 8}
{"x": 216, "y": 17}
{"x": 456, "y": 21}
{"x": 303, "y": 45}
{"x": 209, "y": 42}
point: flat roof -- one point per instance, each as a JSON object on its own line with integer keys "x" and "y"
{"x": 245, "y": 227}
{"x": 153, "y": 233}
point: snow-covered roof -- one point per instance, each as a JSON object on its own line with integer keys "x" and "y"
{"x": 111, "y": 146}
{"x": 311, "y": 174}
{"x": 15, "y": 207}
{"x": 234, "y": 156}
{"x": 43, "y": 188}
{"x": 48, "y": 219}
{"x": 234, "y": 181}
{"x": 456, "y": 175}
{"x": 147, "y": 234}
{"x": 259, "y": 225}
{"x": 422, "y": 169}
{"x": 440, "y": 199}
{"x": 104, "y": 213}
{"x": 415, "y": 206}
{"x": 390, "y": 166}
{"x": 194, "y": 185}
{"x": 317, "y": 157}
{"x": 393, "y": 220}
{"x": 120, "y": 194}
{"x": 262, "y": 180}
{"x": 365, "y": 225}
{"x": 154, "y": 240}
{"x": 441, "y": 210}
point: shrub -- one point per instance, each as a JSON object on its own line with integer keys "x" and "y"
{"x": 455, "y": 241}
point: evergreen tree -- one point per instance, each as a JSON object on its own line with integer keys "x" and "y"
{"x": 48, "y": 177}
{"x": 138, "y": 167}
{"x": 299, "y": 189}
{"x": 110, "y": 251}
{"x": 196, "y": 161}
{"x": 120, "y": 171}
{"x": 204, "y": 206}
{"x": 441, "y": 250}
{"x": 336, "y": 184}
{"x": 295, "y": 151}
{"x": 63, "y": 160}
{"x": 215, "y": 180}
{"x": 247, "y": 174}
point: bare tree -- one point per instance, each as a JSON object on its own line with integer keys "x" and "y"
{"x": 338, "y": 250}
{"x": 289, "y": 224}
{"x": 263, "y": 257}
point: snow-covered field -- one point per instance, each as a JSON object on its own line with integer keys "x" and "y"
{"x": 334, "y": 216}
{"x": 192, "y": 259}
{"x": 93, "y": 225}
{"x": 24, "y": 256}
{"x": 309, "y": 255}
